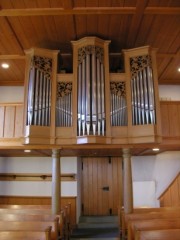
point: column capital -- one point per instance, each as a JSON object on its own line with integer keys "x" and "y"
{"x": 55, "y": 153}
{"x": 126, "y": 152}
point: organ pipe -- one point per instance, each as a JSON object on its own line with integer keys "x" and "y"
{"x": 39, "y": 92}
{"x": 118, "y": 104}
{"x": 142, "y": 91}
{"x": 64, "y": 104}
{"x": 91, "y": 87}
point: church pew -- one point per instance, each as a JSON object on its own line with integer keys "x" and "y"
{"x": 24, "y": 206}
{"x": 37, "y": 214}
{"x": 145, "y": 216}
{"x": 164, "y": 234}
{"x": 144, "y": 210}
{"x": 28, "y": 235}
{"x": 65, "y": 212}
{"x": 155, "y": 224}
{"x": 31, "y": 226}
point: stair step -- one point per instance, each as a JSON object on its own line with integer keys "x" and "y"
{"x": 98, "y": 219}
{"x": 95, "y": 233}
{"x": 97, "y": 225}
{"x": 104, "y": 238}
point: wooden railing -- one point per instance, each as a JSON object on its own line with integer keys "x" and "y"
{"x": 171, "y": 196}
{"x": 35, "y": 177}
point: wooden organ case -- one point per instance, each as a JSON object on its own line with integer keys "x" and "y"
{"x": 92, "y": 105}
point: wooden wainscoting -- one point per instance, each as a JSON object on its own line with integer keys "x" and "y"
{"x": 171, "y": 196}
{"x": 170, "y": 119}
{"x": 11, "y": 121}
{"x": 43, "y": 200}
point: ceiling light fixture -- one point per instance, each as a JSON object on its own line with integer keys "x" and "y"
{"x": 179, "y": 69}
{"x": 5, "y": 65}
{"x": 155, "y": 149}
{"x": 27, "y": 150}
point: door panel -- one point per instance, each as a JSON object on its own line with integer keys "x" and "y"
{"x": 101, "y": 185}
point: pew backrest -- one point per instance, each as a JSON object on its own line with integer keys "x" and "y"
{"x": 26, "y": 235}
{"x": 158, "y": 234}
{"x": 31, "y": 226}
{"x": 154, "y": 224}
{"x": 146, "y": 216}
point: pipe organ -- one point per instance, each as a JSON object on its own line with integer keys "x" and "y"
{"x": 91, "y": 105}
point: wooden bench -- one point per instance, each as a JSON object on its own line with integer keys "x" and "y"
{"x": 145, "y": 216}
{"x": 155, "y": 224}
{"x": 31, "y": 226}
{"x": 33, "y": 215}
{"x": 121, "y": 213}
{"x": 26, "y": 235}
{"x": 166, "y": 234}
{"x": 64, "y": 215}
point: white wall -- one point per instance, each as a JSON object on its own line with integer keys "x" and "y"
{"x": 160, "y": 169}
{"x": 36, "y": 165}
{"x": 11, "y": 94}
{"x": 169, "y": 92}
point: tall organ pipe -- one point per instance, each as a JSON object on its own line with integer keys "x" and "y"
{"x": 39, "y": 91}
{"x": 142, "y": 91}
{"x": 91, "y": 109}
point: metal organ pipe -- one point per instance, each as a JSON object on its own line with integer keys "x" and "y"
{"x": 91, "y": 109}
{"x": 39, "y": 99}
{"x": 142, "y": 91}
{"x": 118, "y": 104}
{"x": 64, "y": 104}
{"x": 39, "y": 92}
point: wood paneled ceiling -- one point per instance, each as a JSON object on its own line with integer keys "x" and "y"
{"x": 53, "y": 24}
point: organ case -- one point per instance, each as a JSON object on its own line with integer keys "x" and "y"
{"x": 92, "y": 105}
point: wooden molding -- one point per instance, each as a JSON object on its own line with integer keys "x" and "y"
{"x": 35, "y": 177}
{"x": 86, "y": 11}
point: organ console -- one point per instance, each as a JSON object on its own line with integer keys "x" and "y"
{"x": 91, "y": 105}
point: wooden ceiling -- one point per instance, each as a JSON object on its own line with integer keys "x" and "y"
{"x": 53, "y": 24}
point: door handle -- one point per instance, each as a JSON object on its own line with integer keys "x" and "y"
{"x": 106, "y": 188}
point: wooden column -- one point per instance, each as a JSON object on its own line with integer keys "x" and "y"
{"x": 56, "y": 184}
{"x": 127, "y": 181}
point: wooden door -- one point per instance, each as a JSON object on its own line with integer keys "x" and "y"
{"x": 101, "y": 185}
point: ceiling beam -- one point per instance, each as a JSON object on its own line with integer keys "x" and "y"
{"x": 168, "y": 81}
{"x": 12, "y": 56}
{"x": 86, "y": 11}
{"x": 11, "y": 83}
{"x": 162, "y": 10}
